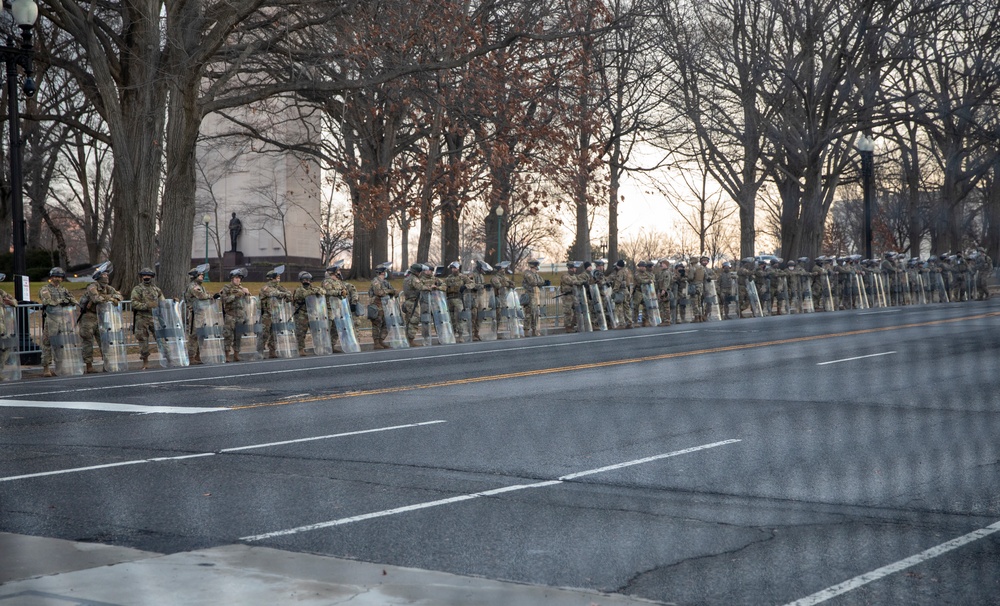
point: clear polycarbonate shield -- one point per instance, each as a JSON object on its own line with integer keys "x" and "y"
{"x": 827, "y": 293}
{"x": 463, "y": 326}
{"x": 283, "y": 328}
{"x": 805, "y": 286}
{"x": 512, "y": 315}
{"x": 598, "y": 317}
{"x": 319, "y": 325}
{"x": 112, "y": 329}
{"x": 207, "y": 322}
{"x": 438, "y": 304}
{"x": 169, "y": 332}
{"x": 67, "y": 357}
{"x": 939, "y": 287}
{"x": 712, "y": 311}
{"x": 907, "y": 298}
{"x": 921, "y": 289}
{"x": 487, "y": 311}
{"x": 781, "y": 294}
{"x": 248, "y": 329}
{"x": 607, "y": 301}
{"x": 859, "y": 287}
{"x": 10, "y": 359}
{"x": 754, "y": 298}
{"x": 394, "y": 323}
{"x": 651, "y": 304}
{"x": 582, "y": 310}
{"x": 343, "y": 320}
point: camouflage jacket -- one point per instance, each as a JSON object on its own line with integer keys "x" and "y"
{"x": 145, "y": 297}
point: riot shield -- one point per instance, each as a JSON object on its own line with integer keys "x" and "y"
{"x": 487, "y": 314}
{"x": 441, "y": 318}
{"x": 395, "y": 323}
{"x": 907, "y": 298}
{"x": 583, "y": 323}
{"x": 208, "y": 323}
{"x": 283, "y": 328}
{"x": 465, "y": 317}
{"x": 67, "y": 358}
{"x": 940, "y": 287}
{"x": 828, "y": 294}
{"x": 10, "y": 359}
{"x": 247, "y": 333}
{"x": 513, "y": 316}
{"x": 754, "y": 299}
{"x": 859, "y": 285}
{"x": 340, "y": 309}
{"x": 607, "y": 301}
{"x": 319, "y": 325}
{"x": 112, "y": 328}
{"x": 781, "y": 285}
{"x": 597, "y": 307}
{"x": 733, "y": 298}
{"x": 712, "y": 314}
{"x": 805, "y": 286}
{"x": 169, "y": 333}
{"x": 920, "y": 285}
{"x": 651, "y": 304}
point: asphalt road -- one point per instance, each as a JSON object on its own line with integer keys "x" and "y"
{"x": 759, "y": 461}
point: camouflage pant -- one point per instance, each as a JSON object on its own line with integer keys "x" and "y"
{"x": 569, "y": 311}
{"x": 301, "y": 328}
{"x": 456, "y": 307}
{"x": 532, "y": 319}
{"x": 380, "y": 331}
{"x": 229, "y": 339}
{"x": 266, "y": 335}
{"x": 411, "y": 312}
{"x": 143, "y": 326}
{"x": 89, "y": 332}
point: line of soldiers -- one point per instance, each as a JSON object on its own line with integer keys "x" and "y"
{"x": 483, "y": 304}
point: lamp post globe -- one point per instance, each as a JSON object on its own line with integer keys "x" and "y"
{"x": 499, "y": 212}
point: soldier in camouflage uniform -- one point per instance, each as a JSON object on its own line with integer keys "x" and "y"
{"x": 621, "y": 282}
{"x": 195, "y": 292}
{"x": 643, "y": 276}
{"x": 412, "y": 287}
{"x": 336, "y": 290}
{"x": 567, "y": 295}
{"x": 52, "y": 295}
{"x": 478, "y": 285}
{"x": 663, "y": 278}
{"x": 727, "y": 279}
{"x": 272, "y": 288}
{"x": 379, "y": 288}
{"x": 233, "y": 297}
{"x": 455, "y": 285}
{"x": 145, "y": 298}
{"x": 301, "y": 315}
{"x": 98, "y": 291}
{"x": 532, "y": 283}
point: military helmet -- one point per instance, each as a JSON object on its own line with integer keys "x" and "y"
{"x": 727, "y": 264}
{"x": 534, "y": 262}
{"x": 620, "y": 263}
{"x": 145, "y": 271}
{"x": 57, "y": 272}
{"x": 335, "y": 267}
{"x": 455, "y": 264}
{"x": 600, "y": 262}
{"x": 239, "y": 272}
{"x": 416, "y": 268}
{"x": 305, "y": 276}
{"x": 271, "y": 274}
{"x": 381, "y": 269}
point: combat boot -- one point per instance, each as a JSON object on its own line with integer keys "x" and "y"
{"x": 236, "y": 356}
{"x": 302, "y": 352}
{"x": 47, "y": 372}
{"x": 145, "y": 363}
{"x": 412, "y": 342}
{"x": 380, "y": 345}
{"x": 196, "y": 359}
{"x": 272, "y": 354}
{"x": 90, "y": 368}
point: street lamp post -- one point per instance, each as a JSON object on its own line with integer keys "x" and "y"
{"x": 23, "y": 14}
{"x": 499, "y": 234}
{"x": 866, "y": 147}
{"x": 206, "y": 219}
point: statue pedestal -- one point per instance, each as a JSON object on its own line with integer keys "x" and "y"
{"x": 232, "y": 259}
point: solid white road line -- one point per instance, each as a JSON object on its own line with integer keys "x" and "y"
{"x": 109, "y": 407}
{"x": 209, "y": 454}
{"x": 475, "y": 495}
{"x": 832, "y": 592}
{"x": 885, "y": 353}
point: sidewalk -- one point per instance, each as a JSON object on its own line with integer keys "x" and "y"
{"x": 37, "y": 571}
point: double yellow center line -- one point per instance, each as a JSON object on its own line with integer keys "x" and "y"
{"x": 609, "y": 363}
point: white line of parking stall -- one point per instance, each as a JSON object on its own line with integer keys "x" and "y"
{"x": 476, "y": 495}
{"x": 345, "y": 434}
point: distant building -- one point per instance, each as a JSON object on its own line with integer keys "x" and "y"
{"x": 275, "y": 195}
